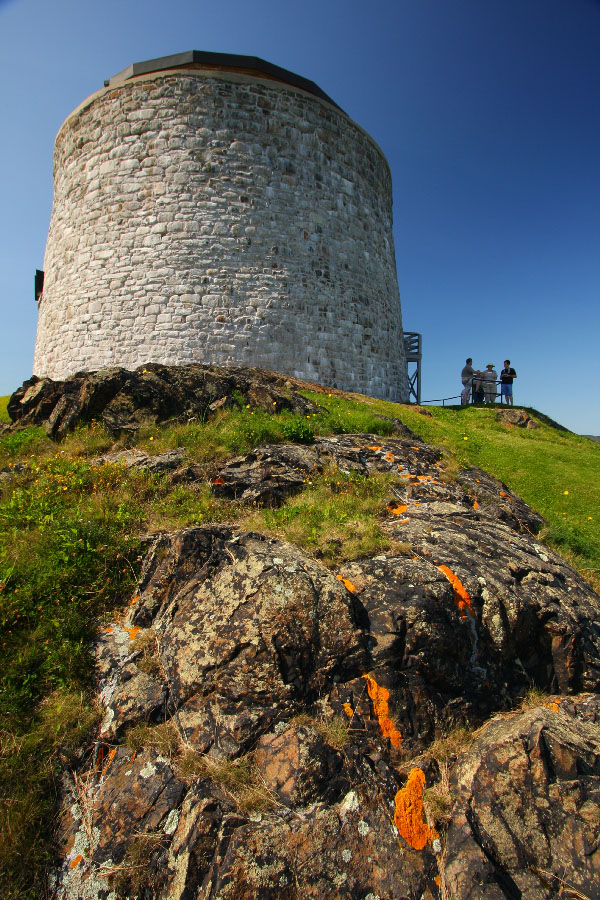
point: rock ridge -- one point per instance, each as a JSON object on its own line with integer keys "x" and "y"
{"x": 325, "y": 690}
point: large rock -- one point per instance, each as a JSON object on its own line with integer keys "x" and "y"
{"x": 271, "y": 473}
{"x": 133, "y": 458}
{"x": 349, "y": 849}
{"x": 249, "y": 628}
{"x": 468, "y": 620}
{"x": 124, "y": 809}
{"x": 527, "y": 808}
{"x": 125, "y": 400}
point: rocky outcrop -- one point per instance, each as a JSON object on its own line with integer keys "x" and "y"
{"x": 246, "y": 633}
{"x": 123, "y": 400}
{"x": 527, "y": 808}
{"x": 516, "y": 417}
{"x": 169, "y": 461}
{"x": 268, "y": 723}
{"x": 273, "y": 472}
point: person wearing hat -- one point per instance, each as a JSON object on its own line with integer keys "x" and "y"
{"x": 489, "y": 378}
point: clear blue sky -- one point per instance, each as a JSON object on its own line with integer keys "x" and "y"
{"x": 488, "y": 112}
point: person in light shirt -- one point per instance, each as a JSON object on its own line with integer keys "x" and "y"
{"x": 489, "y": 378}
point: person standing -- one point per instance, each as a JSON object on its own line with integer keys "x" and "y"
{"x": 507, "y": 376}
{"x": 489, "y": 378}
{"x": 466, "y": 376}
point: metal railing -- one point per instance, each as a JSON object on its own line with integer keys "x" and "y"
{"x": 443, "y": 400}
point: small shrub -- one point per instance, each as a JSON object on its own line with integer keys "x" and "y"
{"x": 438, "y": 804}
{"x": 445, "y": 748}
{"x": 164, "y": 739}
{"x": 334, "y": 731}
{"x": 134, "y": 874}
{"x": 238, "y": 778}
{"x": 334, "y": 517}
{"x": 534, "y": 697}
{"x": 299, "y": 431}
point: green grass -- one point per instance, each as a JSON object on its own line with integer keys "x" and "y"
{"x": 4, "y": 416}
{"x": 70, "y": 553}
{"x": 335, "y": 518}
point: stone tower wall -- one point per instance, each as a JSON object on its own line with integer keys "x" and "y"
{"x": 221, "y": 218}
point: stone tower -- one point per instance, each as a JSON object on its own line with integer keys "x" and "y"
{"x": 215, "y": 208}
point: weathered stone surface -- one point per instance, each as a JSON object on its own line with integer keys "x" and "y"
{"x": 527, "y": 810}
{"x": 517, "y": 417}
{"x": 267, "y": 475}
{"x": 125, "y": 400}
{"x": 127, "y": 800}
{"x": 231, "y": 636}
{"x": 273, "y": 472}
{"x": 128, "y": 694}
{"x": 298, "y": 766}
{"x": 138, "y": 698}
{"x": 137, "y": 459}
{"x": 320, "y": 856}
{"x": 249, "y": 627}
{"x": 452, "y": 653}
{"x": 495, "y": 500}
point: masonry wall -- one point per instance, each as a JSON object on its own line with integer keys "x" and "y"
{"x": 224, "y": 219}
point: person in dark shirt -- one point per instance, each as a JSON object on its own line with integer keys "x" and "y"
{"x": 507, "y": 376}
{"x": 466, "y": 376}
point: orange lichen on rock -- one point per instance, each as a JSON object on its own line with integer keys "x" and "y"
{"x": 461, "y": 597}
{"x": 219, "y": 481}
{"x": 409, "y": 815}
{"x": 396, "y": 510}
{"x": 380, "y": 696}
{"x": 348, "y": 710}
{"x": 76, "y": 861}
{"x": 132, "y": 632}
{"x": 110, "y": 758}
{"x": 476, "y": 505}
{"x": 347, "y": 584}
{"x": 389, "y": 456}
{"x": 374, "y": 448}
{"x": 554, "y": 704}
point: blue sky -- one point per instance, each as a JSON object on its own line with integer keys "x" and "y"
{"x": 488, "y": 112}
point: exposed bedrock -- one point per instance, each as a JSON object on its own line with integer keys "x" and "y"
{"x": 289, "y": 710}
{"x": 124, "y": 401}
{"x": 527, "y": 812}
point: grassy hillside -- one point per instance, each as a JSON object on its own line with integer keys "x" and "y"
{"x": 70, "y": 552}
{"x": 4, "y": 417}
{"x": 555, "y": 471}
